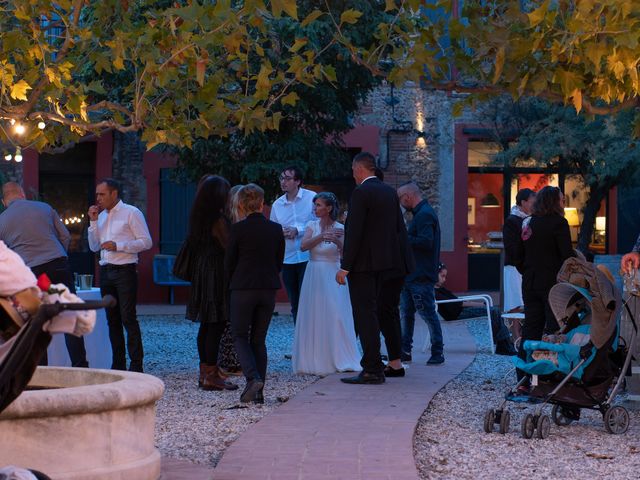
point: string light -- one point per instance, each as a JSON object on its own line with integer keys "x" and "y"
{"x": 8, "y": 157}
{"x": 41, "y": 125}
{"x": 19, "y": 129}
{"x": 18, "y": 156}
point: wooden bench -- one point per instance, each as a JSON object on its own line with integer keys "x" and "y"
{"x": 163, "y": 274}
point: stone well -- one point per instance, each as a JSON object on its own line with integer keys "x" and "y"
{"x": 84, "y": 424}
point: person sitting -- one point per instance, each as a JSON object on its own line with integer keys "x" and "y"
{"x": 457, "y": 311}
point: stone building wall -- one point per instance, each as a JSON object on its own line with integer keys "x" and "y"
{"x": 405, "y": 155}
{"x": 128, "y": 168}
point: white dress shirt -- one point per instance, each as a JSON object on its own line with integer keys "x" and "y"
{"x": 294, "y": 214}
{"x": 125, "y": 225}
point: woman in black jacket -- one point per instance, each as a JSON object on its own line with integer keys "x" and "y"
{"x": 253, "y": 262}
{"x": 546, "y": 244}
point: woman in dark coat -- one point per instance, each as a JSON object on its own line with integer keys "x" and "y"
{"x": 208, "y": 298}
{"x": 546, "y": 244}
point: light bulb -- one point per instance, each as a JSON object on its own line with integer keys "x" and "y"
{"x": 12, "y": 121}
{"x": 8, "y": 157}
{"x": 41, "y": 125}
{"x": 18, "y": 157}
{"x": 19, "y": 129}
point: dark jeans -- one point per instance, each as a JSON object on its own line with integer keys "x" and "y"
{"x": 251, "y": 312}
{"x": 364, "y": 289}
{"x": 420, "y": 297}
{"x": 389, "y": 316}
{"x": 292, "y": 275}
{"x": 58, "y": 271}
{"x": 121, "y": 281}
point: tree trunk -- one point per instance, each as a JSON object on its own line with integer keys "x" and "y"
{"x": 589, "y": 212}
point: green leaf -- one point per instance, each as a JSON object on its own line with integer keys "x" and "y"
{"x": 499, "y": 65}
{"x": 299, "y": 43}
{"x": 19, "y": 90}
{"x": 350, "y": 16}
{"x": 96, "y": 86}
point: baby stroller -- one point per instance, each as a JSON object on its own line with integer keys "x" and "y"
{"x": 583, "y": 366}
{"x": 20, "y": 354}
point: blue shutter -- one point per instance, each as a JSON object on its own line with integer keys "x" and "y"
{"x": 175, "y": 204}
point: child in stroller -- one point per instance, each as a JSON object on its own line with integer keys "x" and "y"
{"x": 583, "y": 366}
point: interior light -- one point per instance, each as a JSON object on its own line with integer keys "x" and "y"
{"x": 41, "y": 125}
{"x": 19, "y": 129}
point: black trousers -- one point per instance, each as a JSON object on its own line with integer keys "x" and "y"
{"x": 389, "y": 315}
{"x": 364, "y": 289}
{"x": 58, "y": 271}
{"x": 251, "y": 312}
{"x": 121, "y": 281}
{"x": 209, "y": 336}
{"x": 292, "y": 275}
{"x": 538, "y": 318}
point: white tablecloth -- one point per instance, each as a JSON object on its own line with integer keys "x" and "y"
{"x": 96, "y": 343}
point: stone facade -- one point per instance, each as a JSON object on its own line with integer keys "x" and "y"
{"x": 417, "y": 129}
{"x": 128, "y": 168}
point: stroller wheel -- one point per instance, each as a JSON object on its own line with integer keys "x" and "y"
{"x": 543, "y": 425}
{"x": 561, "y": 416}
{"x": 528, "y": 426}
{"x": 616, "y": 420}
{"x": 489, "y": 420}
{"x": 505, "y": 419}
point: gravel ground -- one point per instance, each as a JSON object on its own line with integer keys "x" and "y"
{"x": 195, "y": 425}
{"x": 450, "y": 441}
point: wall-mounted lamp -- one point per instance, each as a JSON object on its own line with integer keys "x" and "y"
{"x": 571, "y": 214}
{"x": 490, "y": 201}
{"x": 601, "y": 224}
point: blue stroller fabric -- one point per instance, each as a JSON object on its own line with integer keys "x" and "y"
{"x": 561, "y": 357}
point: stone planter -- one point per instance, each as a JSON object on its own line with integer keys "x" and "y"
{"x": 84, "y": 424}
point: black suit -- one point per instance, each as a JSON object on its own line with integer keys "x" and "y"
{"x": 253, "y": 261}
{"x": 372, "y": 250}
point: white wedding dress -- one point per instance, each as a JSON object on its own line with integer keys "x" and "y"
{"x": 325, "y": 339}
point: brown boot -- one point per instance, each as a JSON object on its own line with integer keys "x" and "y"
{"x": 227, "y": 385}
{"x": 202, "y": 374}
{"x": 214, "y": 381}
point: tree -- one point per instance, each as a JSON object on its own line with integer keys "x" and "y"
{"x": 310, "y": 129}
{"x": 602, "y": 150}
{"x": 184, "y": 69}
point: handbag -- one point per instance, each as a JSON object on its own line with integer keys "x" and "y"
{"x": 182, "y": 265}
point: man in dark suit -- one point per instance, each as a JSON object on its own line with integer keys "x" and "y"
{"x": 371, "y": 249}
{"x": 253, "y": 261}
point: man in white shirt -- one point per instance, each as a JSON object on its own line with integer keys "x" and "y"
{"x": 293, "y": 210}
{"x": 119, "y": 232}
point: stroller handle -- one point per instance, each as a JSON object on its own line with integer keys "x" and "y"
{"x": 52, "y": 309}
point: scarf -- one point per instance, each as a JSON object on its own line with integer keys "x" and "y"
{"x": 517, "y": 211}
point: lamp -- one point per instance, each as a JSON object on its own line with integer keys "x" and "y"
{"x": 490, "y": 201}
{"x": 571, "y": 214}
{"x": 601, "y": 224}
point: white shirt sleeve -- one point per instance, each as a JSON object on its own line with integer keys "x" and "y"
{"x": 142, "y": 238}
{"x": 93, "y": 236}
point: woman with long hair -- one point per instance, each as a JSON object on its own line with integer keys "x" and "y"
{"x": 546, "y": 244}
{"x": 208, "y": 235}
{"x": 324, "y": 339}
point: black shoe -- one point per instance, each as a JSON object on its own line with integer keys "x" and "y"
{"x": 405, "y": 357}
{"x": 259, "y": 398}
{"x": 393, "y": 372}
{"x": 437, "y": 359}
{"x": 250, "y": 390}
{"x": 365, "y": 379}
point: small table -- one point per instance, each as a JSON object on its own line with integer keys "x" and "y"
{"x": 96, "y": 343}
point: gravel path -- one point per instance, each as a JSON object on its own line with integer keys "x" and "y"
{"x": 195, "y": 425}
{"x": 450, "y": 442}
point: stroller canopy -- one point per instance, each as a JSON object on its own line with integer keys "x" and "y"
{"x": 579, "y": 278}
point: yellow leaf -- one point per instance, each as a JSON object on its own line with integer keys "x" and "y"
{"x": 118, "y": 62}
{"x": 289, "y": 6}
{"x": 350, "y": 16}
{"x": 499, "y": 64}
{"x": 201, "y": 66}
{"x": 312, "y": 17}
{"x": 290, "y": 99}
{"x": 263, "y": 82}
{"x": 537, "y": 16}
{"x": 576, "y": 98}
{"x": 19, "y": 90}
{"x": 51, "y": 75}
{"x": 389, "y": 5}
{"x": 299, "y": 43}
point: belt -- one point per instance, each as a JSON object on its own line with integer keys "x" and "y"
{"x": 113, "y": 266}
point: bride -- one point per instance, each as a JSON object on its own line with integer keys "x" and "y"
{"x": 325, "y": 339}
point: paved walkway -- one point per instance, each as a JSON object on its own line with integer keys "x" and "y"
{"x": 332, "y": 430}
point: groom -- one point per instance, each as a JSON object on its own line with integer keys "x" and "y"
{"x": 371, "y": 248}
